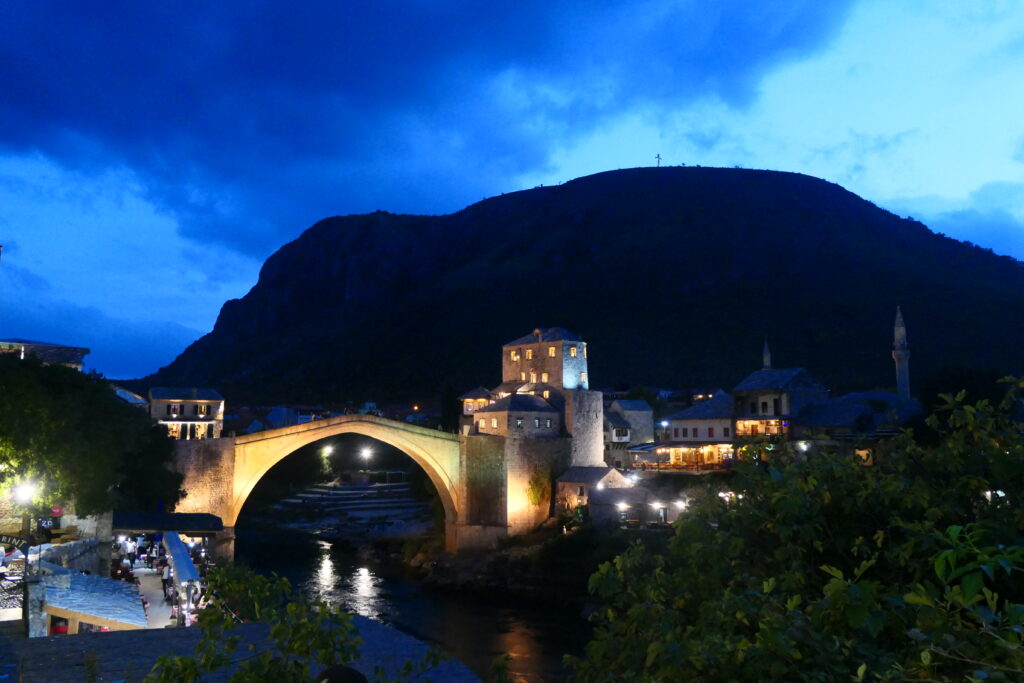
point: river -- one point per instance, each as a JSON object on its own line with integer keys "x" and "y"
{"x": 474, "y": 629}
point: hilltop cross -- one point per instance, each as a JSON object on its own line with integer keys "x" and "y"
{"x": 658, "y": 157}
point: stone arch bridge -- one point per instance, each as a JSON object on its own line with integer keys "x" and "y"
{"x": 488, "y": 484}
{"x": 221, "y": 473}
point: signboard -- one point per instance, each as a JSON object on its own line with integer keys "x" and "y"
{"x": 56, "y": 511}
{"x": 16, "y": 541}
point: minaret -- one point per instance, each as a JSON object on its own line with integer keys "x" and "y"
{"x": 766, "y": 356}
{"x": 901, "y": 354}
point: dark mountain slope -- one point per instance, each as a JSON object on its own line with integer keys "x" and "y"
{"x": 674, "y": 276}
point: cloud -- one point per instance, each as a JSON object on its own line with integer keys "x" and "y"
{"x": 247, "y": 123}
{"x": 120, "y": 348}
{"x": 992, "y": 217}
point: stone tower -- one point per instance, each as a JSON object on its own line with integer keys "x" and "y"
{"x": 901, "y": 355}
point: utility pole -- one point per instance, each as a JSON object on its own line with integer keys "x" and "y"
{"x": 658, "y": 157}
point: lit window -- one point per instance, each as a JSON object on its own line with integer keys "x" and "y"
{"x": 533, "y": 377}
{"x": 204, "y": 409}
{"x": 482, "y": 424}
{"x": 529, "y": 354}
{"x": 514, "y": 355}
{"x": 522, "y": 376}
{"x": 543, "y": 377}
{"x": 494, "y": 423}
{"x": 547, "y": 394}
{"x": 572, "y": 351}
{"x": 583, "y": 377}
{"x": 711, "y": 432}
{"x": 584, "y": 351}
{"x": 551, "y": 352}
{"x": 536, "y": 422}
{"x": 547, "y": 423}
{"x": 519, "y": 423}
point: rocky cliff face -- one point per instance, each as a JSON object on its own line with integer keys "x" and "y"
{"x": 673, "y": 275}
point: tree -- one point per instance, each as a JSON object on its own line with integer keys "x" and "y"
{"x": 825, "y": 569}
{"x": 69, "y": 432}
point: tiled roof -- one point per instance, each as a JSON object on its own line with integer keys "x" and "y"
{"x": 97, "y": 596}
{"x": 624, "y": 404}
{"x": 520, "y": 403}
{"x": 585, "y": 475}
{"x": 507, "y": 387}
{"x": 184, "y": 394}
{"x": 781, "y": 379}
{"x": 862, "y": 411}
{"x": 616, "y": 420}
{"x": 551, "y": 334}
{"x": 717, "y": 407}
{"x": 479, "y": 392}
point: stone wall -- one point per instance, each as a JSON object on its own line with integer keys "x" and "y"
{"x": 86, "y": 555}
{"x": 483, "y": 480}
{"x": 208, "y": 468}
{"x": 587, "y": 419}
{"x": 530, "y": 468}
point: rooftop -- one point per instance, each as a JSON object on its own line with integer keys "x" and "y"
{"x": 551, "y": 334}
{"x": 719, "y": 406}
{"x": 780, "y": 379}
{"x": 586, "y": 475}
{"x": 631, "y": 404}
{"x": 525, "y": 403}
{"x": 183, "y": 394}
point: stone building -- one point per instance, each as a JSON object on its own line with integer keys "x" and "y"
{"x": 540, "y": 420}
{"x": 626, "y": 423}
{"x": 188, "y": 413}
{"x": 703, "y": 433}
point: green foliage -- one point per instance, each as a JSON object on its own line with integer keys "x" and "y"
{"x": 301, "y": 635}
{"x": 69, "y": 431}
{"x": 539, "y": 489}
{"x": 827, "y": 570}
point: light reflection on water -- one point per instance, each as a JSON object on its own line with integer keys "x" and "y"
{"x": 473, "y": 629}
{"x": 355, "y": 589}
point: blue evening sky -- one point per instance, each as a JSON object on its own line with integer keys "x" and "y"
{"x": 152, "y": 155}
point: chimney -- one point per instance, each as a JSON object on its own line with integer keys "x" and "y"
{"x": 538, "y": 333}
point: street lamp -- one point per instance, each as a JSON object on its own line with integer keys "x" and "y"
{"x": 366, "y": 453}
{"x": 25, "y": 492}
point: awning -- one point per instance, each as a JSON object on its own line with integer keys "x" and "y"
{"x": 181, "y": 562}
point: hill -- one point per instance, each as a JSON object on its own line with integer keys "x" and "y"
{"x": 673, "y": 275}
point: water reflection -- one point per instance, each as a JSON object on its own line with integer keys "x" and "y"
{"x": 470, "y": 626}
{"x": 355, "y": 589}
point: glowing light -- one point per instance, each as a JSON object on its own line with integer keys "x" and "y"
{"x": 327, "y": 450}
{"x": 25, "y": 492}
{"x": 622, "y": 506}
{"x": 803, "y": 446}
{"x": 664, "y": 423}
{"x": 366, "y": 453}
{"x": 656, "y": 505}
{"x": 415, "y": 407}
{"x": 600, "y": 486}
{"x": 681, "y": 504}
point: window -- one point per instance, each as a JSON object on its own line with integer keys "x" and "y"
{"x": 522, "y": 376}
{"x": 686, "y": 432}
{"x": 514, "y": 355}
{"x": 621, "y": 432}
{"x": 776, "y": 407}
{"x": 173, "y": 408}
{"x": 572, "y": 351}
{"x": 547, "y": 394}
{"x": 204, "y": 409}
{"x": 547, "y": 423}
{"x": 764, "y": 407}
{"x": 725, "y": 431}
{"x": 494, "y": 422}
{"x": 581, "y": 491}
{"x": 711, "y": 432}
{"x": 481, "y": 424}
{"x": 519, "y": 423}
{"x": 675, "y": 432}
{"x": 584, "y": 351}
{"x": 583, "y": 377}
{"x": 753, "y": 407}
{"x": 533, "y": 376}
{"x": 551, "y": 352}
{"x": 543, "y": 377}
{"x": 536, "y": 422}
{"x": 529, "y": 354}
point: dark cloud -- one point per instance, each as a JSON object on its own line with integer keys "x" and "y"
{"x": 993, "y": 219}
{"x": 249, "y": 121}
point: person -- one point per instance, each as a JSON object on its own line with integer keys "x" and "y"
{"x": 165, "y": 576}
{"x": 129, "y": 551}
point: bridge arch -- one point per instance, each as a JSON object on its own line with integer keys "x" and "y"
{"x": 436, "y": 452}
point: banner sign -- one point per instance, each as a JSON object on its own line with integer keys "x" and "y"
{"x": 16, "y": 541}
